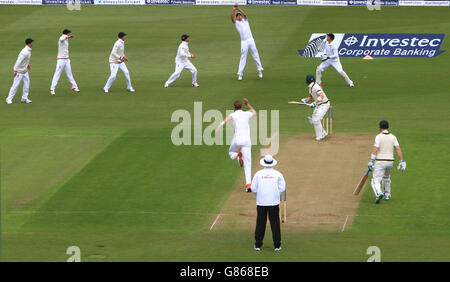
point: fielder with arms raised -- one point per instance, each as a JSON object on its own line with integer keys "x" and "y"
{"x": 331, "y": 58}
{"x": 320, "y": 104}
{"x": 241, "y": 146}
{"x": 383, "y": 154}
{"x": 247, "y": 41}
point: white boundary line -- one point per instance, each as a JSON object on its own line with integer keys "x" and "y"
{"x": 345, "y": 223}
{"x": 214, "y": 223}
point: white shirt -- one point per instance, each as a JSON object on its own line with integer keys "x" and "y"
{"x": 183, "y": 54}
{"x": 241, "y": 123}
{"x": 385, "y": 142}
{"x": 268, "y": 184}
{"x": 244, "y": 29}
{"x": 331, "y": 51}
{"x": 117, "y": 52}
{"x": 63, "y": 47}
{"x": 314, "y": 90}
{"x": 23, "y": 60}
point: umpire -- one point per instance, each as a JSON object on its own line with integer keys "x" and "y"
{"x": 268, "y": 184}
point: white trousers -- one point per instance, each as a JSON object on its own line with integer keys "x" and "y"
{"x": 245, "y": 147}
{"x": 179, "y": 68}
{"x": 63, "y": 64}
{"x": 336, "y": 65}
{"x": 26, "y": 85}
{"x": 114, "y": 68}
{"x": 317, "y": 116}
{"x": 382, "y": 173}
{"x": 245, "y": 46}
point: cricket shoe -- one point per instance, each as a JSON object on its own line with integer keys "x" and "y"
{"x": 260, "y": 75}
{"x": 28, "y": 101}
{"x": 52, "y": 92}
{"x": 277, "y": 249}
{"x": 195, "y": 85}
{"x": 256, "y": 249}
{"x": 380, "y": 196}
{"x": 351, "y": 84}
{"x": 9, "y": 102}
{"x": 106, "y": 91}
{"x": 240, "y": 159}
{"x": 75, "y": 90}
{"x": 131, "y": 90}
{"x": 386, "y": 198}
{"x": 239, "y": 77}
{"x": 166, "y": 85}
{"x": 248, "y": 188}
{"x": 325, "y": 134}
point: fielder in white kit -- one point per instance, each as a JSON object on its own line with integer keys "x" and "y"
{"x": 383, "y": 155}
{"x": 247, "y": 42}
{"x": 63, "y": 62}
{"x": 21, "y": 69}
{"x": 117, "y": 61}
{"x": 182, "y": 62}
{"x": 331, "y": 58}
{"x": 320, "y": 104}
{"x": 241, "y": 145}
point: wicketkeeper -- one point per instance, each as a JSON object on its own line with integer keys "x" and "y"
{"x": 320, "y": 104}
{"x": 383, "y": 155}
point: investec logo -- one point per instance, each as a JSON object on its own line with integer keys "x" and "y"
{"x": 391, "y": 45}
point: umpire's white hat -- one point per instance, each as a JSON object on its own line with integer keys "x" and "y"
{"x": 268, "y": 161}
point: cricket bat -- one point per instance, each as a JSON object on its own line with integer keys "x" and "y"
{"x": 296, "y": 103}
{"x": 361, "y": 183}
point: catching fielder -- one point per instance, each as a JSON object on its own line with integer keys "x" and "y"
{"x": 117, "y": 61}
{"x": 63, "y": 62}
{"x": 320, "y": 104}
{"x": 331, "y": 58}
{"x": 241, "y": 146}
{"x": 383, "y": 154}
{"x": 247, "y": 41}
{"x": 182, "y": 62}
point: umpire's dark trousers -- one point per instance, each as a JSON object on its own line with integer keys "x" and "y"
{"x": 261, "y": 219}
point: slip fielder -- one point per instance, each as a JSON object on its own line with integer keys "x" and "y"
{"x": 241, "y": 144}
{"x": 331, "y": 58}
{"x": 247, "y": 42}
{"x": 21, "y": 69}
{"x": 383, "y": 155}
{"x": 117, "y": 61}
{"x": 182, "y": 62}
{"x": 320, "y": 104}
{"x": 63, "y": 62}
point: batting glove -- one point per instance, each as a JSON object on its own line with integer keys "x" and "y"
{"x": 304, "y": 100}
{"x": 401, "y": 165}
{"x": 324, "y": 57}
{"x": 312, "y": 105}
{"x": 371, "y": 165}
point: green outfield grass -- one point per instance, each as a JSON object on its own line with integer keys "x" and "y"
{"x": 100, "y": 171}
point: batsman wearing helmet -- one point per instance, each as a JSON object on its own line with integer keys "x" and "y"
{"x": 331, "y": 58}
{"x": 383, "y": 155}
{"x": 320, "y": 104}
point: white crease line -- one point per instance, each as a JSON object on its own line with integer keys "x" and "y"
{"x": 214, "y": 223}
{"x": 345, "y": 223}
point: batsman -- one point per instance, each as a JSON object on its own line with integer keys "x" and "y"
{"x": 383, "y": 155}
{"x": 320, "y": 104}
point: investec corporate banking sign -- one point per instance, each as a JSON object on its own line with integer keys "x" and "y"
{"x": 378, "y": 44}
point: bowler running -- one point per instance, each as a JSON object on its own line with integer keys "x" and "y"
{"x": 241, "y": 144}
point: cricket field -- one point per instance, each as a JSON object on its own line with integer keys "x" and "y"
{"x": 99, "y": 171}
